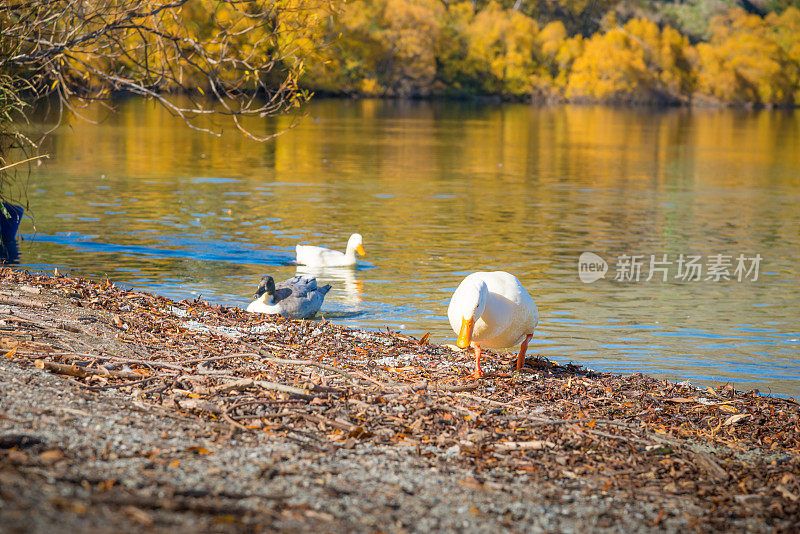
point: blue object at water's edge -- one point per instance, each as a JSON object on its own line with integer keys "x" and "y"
{"x": 9, "y": 224}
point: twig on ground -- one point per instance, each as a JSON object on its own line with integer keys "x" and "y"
{"x": 81, "y": 372}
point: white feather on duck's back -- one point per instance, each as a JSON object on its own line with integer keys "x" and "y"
{"x": 325, "y": 257}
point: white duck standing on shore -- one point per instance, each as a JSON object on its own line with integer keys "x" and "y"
{"x": 325, "y": 257}
{"x": 296, "y": 298}
{"x": 492, "y": 309}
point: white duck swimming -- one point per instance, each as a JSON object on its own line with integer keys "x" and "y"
{"x": 296, "y": 298}
{"x": 492, "y": 309}
{"x": 325, "y": 257}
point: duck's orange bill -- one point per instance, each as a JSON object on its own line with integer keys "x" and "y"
{"x": 360, "y": 249}
{"x": 465, "y": 335}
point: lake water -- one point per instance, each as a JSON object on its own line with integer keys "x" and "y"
{"x": 443, "y": 189}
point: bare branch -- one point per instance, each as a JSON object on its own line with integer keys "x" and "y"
{"x": 243, "y": 56}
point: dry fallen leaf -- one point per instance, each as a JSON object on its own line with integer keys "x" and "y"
{"x": 120, "y": 323}
{"x": 471, "y": 482}
{"x": 106, "y": 485}
{"x": 138, "y": 515}
{"x": 198, "y": 449}
{"x": 51, "y": 455}
{"x": 68, "y": 504}
{"x": 735, "y": 419}
{"x": 786, "y": 493}
{"x": 681, "y": 400}
{"x": 227, "y": 519}
{"x": 9, "y": 343}
{"x": 505, "y": 446}
{"x": 360, "y": 433}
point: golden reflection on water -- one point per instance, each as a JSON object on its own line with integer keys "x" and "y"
{"x": 443, "y": 189}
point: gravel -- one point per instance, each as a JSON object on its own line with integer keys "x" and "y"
{"x": 103, "y": 462}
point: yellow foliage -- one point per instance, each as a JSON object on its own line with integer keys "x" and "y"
{"x": 384, "y": 45}
{"x": 412, "y": 31}
{"x": 551, "y": 37}
{"x": 422, "y": 47}
{"x": 370, "y": 87}
{"x": 749, "y": 59}
{"x": 355, "y": 50}
{"x": 305, "y": 31}
{"x": 558, "y": 53}
{"x": 634, "y": 62}
{"x": 609, "y": 68}
{"x": 502, "y": 45}
{"x": 454, "y": 71}
{"x": 786, "y": 32}
{"x": 239, "y": 39}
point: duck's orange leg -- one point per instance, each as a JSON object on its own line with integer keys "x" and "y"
{"x": 478, "y": 372}
{"x": 522, "y": 350}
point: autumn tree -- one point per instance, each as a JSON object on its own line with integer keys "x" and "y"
{"x": 634, "y": 62}
{"x": 231, "y": 57}
{"x": 750, "y": 60}
{"x": 502, "y": 45}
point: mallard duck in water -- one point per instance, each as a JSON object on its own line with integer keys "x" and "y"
{"x": 492, "y": 309}
{"x": 325, "y": 257}
{"x": 296, "y": 298}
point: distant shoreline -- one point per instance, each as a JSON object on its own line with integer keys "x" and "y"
{"x": 699, "y": 103}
